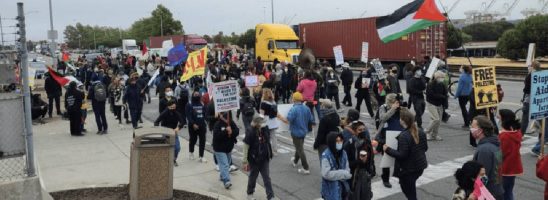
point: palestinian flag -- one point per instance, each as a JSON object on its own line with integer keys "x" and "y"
{"x": 410, "y": 18}
{"x": 62, "y": 80}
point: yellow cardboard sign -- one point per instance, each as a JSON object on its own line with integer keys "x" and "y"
{"x": 195, "y": 64}
{"x": 485, "y": 87}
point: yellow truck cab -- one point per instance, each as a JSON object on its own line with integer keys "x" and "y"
{"x": 276, "y": 41}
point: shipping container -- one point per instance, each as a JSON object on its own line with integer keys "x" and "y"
{"x": 321, "y": 37}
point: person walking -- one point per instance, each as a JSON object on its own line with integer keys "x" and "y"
{"x": 116, "y": 90}
{"x": 361, "y": 159}
{"x": 132, "y": 98}
{"x": 436, "y": 95}
{"x": 410, "y": 155}
{"x": 332, "y": 87}
{"x": 466, "y": 177}
{"x": 307, "y": 89}
{"x": 329, "y": 123}
{"x": 488, "y": 154}
{"x": 362, "y": 85}
{"x": 416, "y": 88}
{"x": 170, "y": 118}
{"x": 335, "y": 169}
{"x": 98, "y": 94}
{"x": 247, "y": 108}
{"x": 257, "y": 156}
{"x": 464, "y": 90}
{"x": 54, "y": 92}
{"x": 347, "y": 78}
{"x": 73, "y": 103}
{"x": 389, "y": 120}
{"x": 195, "y": 112}
{"x": 225, "y": 134}
{"x": 162, "y": 105}
{"x": 269, "y": 108}
{"x": 510, "y": 143}
{"x": 300, "y": 121}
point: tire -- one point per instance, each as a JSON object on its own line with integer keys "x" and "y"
{"x": 453, "y": 88}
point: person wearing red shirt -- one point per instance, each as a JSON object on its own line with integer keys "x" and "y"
{"x": 510, "y": 142}
{"x": 542, "y": 172}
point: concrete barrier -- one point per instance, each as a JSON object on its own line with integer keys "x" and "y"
{"x": 24, "y": 189}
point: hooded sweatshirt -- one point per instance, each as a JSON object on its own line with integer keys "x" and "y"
{"x": 510, "y": 143}
{"x": 489, "y": 155}
{"x": 307, "y": 87}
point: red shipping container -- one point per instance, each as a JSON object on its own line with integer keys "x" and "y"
{"x": 321, "y": 37}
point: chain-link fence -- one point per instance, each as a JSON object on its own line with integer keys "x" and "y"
{"x": 12, "y": 140}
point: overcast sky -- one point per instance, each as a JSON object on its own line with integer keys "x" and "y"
{"x": 212, "y": 16}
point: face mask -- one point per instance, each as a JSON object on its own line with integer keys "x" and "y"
{"x": 440, "y": 80}
{"x": 331, "y": 74}
{"x": 461, "y": 70}
{"x": 338, "y": 146}
{"x": 195, "y": 99}
{"x": 169, "y": 94}
{"x": 475, "y": 132}
{"x": 484, "y": 179}
{"x": 418, "y": 74}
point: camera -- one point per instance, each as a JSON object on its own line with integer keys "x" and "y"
{"x": 399, "y": 98}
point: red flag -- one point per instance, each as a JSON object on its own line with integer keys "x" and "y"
{"x": 62, "y": 80}
{"x": 145, "y": 50}
{"x": 429, "y": 11}
{"x": 66, "y": 56}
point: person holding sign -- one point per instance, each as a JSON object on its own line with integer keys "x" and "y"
{"x": 269, "y": 108}
{"x": 410, "y": 154}
{"x": 347, "y": 77}
{"x": 535, "y": 66}
{"x": 332, "y": 88}
{"x": 362, "y": 85}
{"x": 417, "y": 85}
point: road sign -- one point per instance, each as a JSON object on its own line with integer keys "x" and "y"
{"x": 52, "y": 34}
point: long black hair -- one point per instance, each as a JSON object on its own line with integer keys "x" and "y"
{"x": 508, "y": 120}
{"x": 467, "y": 174}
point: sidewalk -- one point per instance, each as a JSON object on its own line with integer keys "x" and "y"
{"x": 66, "y": 162}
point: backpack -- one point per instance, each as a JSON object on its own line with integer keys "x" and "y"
{"x": 100, "y": 92}
{"x": 377, "y": 117}
{"x": 249, "y": 108}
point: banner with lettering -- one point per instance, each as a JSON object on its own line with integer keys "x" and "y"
{"x": 538, "y": 107}
{"x": 226, "y": 96}
{"x": 195, "y": 64}
{"x": 485, "y": 87}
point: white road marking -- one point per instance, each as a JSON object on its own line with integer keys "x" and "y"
{"x": 437, "y": 172}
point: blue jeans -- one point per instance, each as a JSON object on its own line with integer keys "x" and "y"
{"x": 224, "y": 159}
{"x": 177, "y": 146}
{"x": 536, "y": 149}
{"x": 508, "y": 185}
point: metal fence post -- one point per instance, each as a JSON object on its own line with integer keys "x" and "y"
{"x": 26, "y": 90}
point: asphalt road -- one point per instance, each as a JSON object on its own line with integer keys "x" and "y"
{"x": 437, "y": 181}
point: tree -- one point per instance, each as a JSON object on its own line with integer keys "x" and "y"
{"x": 218, "y": 38}
{"x": 86, "y": 36}
{"x": 514, "y": 43}
{"x": 456, "y": 38}
{"x": 208, "y": 38}
{"x": 161, "y": 19}
{"x": 247, "y": 39}
{"x": 487, "y": 31}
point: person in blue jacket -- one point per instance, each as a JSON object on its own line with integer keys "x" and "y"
{"x": 464, "y": 89}
{"x": 300, "y": 120}
{"x": 335, "y": 170}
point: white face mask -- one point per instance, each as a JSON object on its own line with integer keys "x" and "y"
{"x": 418, "y": 74}
{"x": 440, "y": 80}
{"x": 461, "y": 70}
{"x": 169, "y": 94}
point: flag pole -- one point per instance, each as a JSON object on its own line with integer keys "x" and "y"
{"x": 459, "y": 37}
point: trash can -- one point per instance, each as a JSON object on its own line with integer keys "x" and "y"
{"x": 151, "y": 164}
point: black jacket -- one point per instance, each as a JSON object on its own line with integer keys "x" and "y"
{"x": 170, "y": 119}
{"x": 436, "y": 93}
{"x": 222, "y": 142}
{"x": 53, "y": 89}
{"x": 347, "y": 77}
{"x": 394, "y": 85}
{"x": 353, "y": 148}
{"x": 258, "y": 141}
{"x": 361, "y": 92}
{"x": 410, "y": 157}
{"x": 417, "y": 87}
{"x": 329, "y": 123}
{"x": 73, "y": 100}
{"x": 132, "y": 96}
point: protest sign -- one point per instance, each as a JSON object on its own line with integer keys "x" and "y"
{"x": 226, "y": 96}
{"x": 538, "y": 107}
{"x": 365, "y": 52}
{"x": 251, "y": 81}
{"x": 339, "y": 57}
{"x": 433, "y": 67}
{"x": 379, "y": 70}
{"x": 392, "y": 142}
{"x": 283, "y": 109}
{"x": 485, "y": 87}
{"x": 195, "y": 64}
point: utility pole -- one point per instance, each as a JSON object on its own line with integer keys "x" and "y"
{"x": 52, "y": 35}
{"x": 26, "y": 90}
{"x": 162, "y": 24}
{"x": 272, "y": 5}
{"x": 94, "y": 41}
{"x": 1, "y": 32}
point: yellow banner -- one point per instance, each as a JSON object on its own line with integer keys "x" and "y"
{"x": 195, "y": 64}
{"x": 485, "y": 87}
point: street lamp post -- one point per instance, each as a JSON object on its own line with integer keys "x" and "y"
{"x": 272, "y": 5}
{"x": 52, "y": 36}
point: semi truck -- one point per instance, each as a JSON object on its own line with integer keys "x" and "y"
{"x": 276, "y": 41}
{"x": 129, "y": 47}
{"x": 321, "y": 37}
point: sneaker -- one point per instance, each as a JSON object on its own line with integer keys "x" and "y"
{"x": 99, "y": 132}
{"x": 303, "y": 171}
{"x": 175, "y": 163}
{"x": 438, "y": 138}
{"x": 105, "y": 132}
{"x": 217, "y": 167}
{"x": 293, "y": 162}
{"x": 387, "y": 184}
{"x": 233, "y": 168}
{"x": 429, "y": 137}
{"x": 128, "y": 122}
{"x": 250, "y": 197}
{"x": 202, "y": 160}
{"x": 191, "y": 156}
{"x": 228, "y": 185}
{"x": 535, "y": 153}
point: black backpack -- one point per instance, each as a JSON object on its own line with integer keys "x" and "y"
{"x": 100, "y": 92}
{"x": 249, "y": 108}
